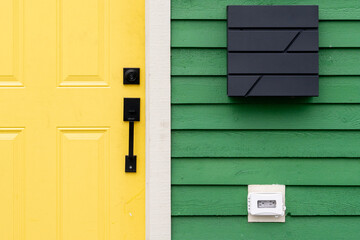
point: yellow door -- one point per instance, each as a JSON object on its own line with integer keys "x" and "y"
{"x": 63, "y": 140}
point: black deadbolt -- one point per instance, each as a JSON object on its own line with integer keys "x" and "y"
{"x": 131, "y": 75}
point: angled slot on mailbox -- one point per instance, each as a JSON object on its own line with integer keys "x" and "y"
{"x": 131, "y": 114}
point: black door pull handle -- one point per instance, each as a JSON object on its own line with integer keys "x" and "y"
{"x": 131, "y": 115}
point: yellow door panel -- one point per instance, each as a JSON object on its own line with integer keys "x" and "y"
{"x": 63, "y": 140}
{"x": 83, "y": 185}
{"x": 83, "y": 38}
{"x": 11, "y": 51}
{"x": 11, "y": 183}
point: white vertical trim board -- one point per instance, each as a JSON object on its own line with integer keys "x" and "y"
{"x": 158, "y": 155}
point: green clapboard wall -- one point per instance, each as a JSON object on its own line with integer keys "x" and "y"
{"x": 222, "y": 144}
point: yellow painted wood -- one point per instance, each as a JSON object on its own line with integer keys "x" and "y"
{"x": 62, "y": 137}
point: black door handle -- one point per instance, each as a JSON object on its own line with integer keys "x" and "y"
{"x": 131, "y": 115}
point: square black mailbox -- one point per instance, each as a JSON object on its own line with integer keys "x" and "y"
{"x": 273, "y": 51}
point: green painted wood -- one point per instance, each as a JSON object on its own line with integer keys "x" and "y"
{"x": 306, "y": 200}
{"x": 232, "y": 201}
{"x": 200, "y": 90}
{"x": 212, "y": 34}
{"x": 266, "y": 141}
{"x": 295, "y": 228}
{"x": 245, "y": 171}
{"x": 216, "y": 9}
{"x": 257, "y": 143}
{"x": 266, "y": 116}
{"x": 201, "y": 34}
{"x": 208, "y": 200}
{"x": 187, "y": 61}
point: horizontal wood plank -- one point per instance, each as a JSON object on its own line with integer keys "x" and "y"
{"x": 240, "y": 16}
{"x": 232, "y": 200}
{"x": 273, "y": 41}
{"x": 215, "y": 9}
{"x": 273, "y": 63}
{"x": 265, "y": 143}
{"x": 237, "y": 227}
{"x": 273, "y": 85}
{"x": 244, "y": 171}
{"x": 266, "y": 116}
{"x": 212, "y": 34}
{"x": 205, "y": 90}
{"x": 208, "y": 200}
{"x": 213, "y": 62}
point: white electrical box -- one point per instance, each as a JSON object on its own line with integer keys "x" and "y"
{"x": 266, "y": 204}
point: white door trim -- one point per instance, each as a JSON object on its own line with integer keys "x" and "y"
{"x": 158, "y": 125}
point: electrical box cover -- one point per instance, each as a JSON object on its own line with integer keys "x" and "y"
{"x": 266, "y": 204}
{"x": 272, "y": 51}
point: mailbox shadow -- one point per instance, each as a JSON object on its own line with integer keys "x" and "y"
{"x": 273, "y": 113}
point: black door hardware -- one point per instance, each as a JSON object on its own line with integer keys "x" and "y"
{"x": 131, "y": 114}
{"x": 131, "y": 75}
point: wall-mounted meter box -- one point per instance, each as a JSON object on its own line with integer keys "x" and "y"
{"x": 273, "y": 51}
{"x": 266, "y": 203}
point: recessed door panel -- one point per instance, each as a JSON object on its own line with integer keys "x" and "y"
{"x": 83, "y": 31}
{"x": 83, "y": 185}
{"x": 11, "y": 17}
{"x": 11, "y": 183}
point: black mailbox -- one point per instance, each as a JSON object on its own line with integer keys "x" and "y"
{"x": 273, "y": 51}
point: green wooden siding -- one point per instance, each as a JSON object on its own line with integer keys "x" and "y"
{"x": 301, "y": 200}
{"x": 295, "y": 228}
{"x": 332, "y": 34}
{"x": 212, "y": 61}
{"x": 211, "y": 90}
{"x": 221, "y": 144}
{"x": 215, "y": 9}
